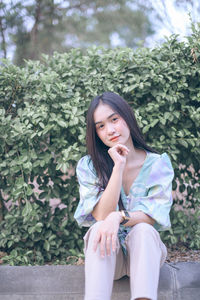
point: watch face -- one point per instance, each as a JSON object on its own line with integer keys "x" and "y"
{"x": 124, "y": 222}
{"x": 127, "y": 214}
{"x": 126, "y": 217}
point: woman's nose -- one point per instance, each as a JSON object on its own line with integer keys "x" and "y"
{"x": 110, "y": 129}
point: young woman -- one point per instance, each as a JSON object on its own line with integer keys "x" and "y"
{"x": 125, "y": 197}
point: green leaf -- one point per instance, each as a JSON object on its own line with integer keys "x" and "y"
{"x": 10, "y": 243}
{"x": 46, "y": 245}
{"x": 62, "y": 123}
{"x": 183, "y": 143}
{"x": 27, "y": 209}
{"x": 42, "y": 125}
{"x": 43, "y": 195}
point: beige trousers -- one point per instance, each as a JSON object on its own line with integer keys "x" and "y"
{"x": 146, "y": 254}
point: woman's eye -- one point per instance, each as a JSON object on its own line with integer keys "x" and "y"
{"x": 100, "y": 126}
{"x": 114, "y": 119}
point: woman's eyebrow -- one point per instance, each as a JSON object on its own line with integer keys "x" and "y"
{"x": 107, "y": 118}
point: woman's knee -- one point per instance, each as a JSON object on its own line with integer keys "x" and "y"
{"x": 91, "y": 234}
{"x": 143, "y": 231}
{"x": 143, "y": 228}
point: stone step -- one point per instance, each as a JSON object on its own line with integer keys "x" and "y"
{"x": 180, "y": 281}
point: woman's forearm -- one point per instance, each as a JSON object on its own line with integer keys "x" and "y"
{"x": 139, "y": 217}
{"x": 110, "y": 197}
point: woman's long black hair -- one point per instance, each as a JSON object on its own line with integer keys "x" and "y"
{"x": 97, "y": 150}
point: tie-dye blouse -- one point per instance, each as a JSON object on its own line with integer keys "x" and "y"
{"x": 151, "y": 192}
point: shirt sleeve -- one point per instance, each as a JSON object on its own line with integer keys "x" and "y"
{"x": 88, "y": 190}
{"x": 158, "y": 202}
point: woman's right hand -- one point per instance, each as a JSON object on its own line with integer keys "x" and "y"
{"x": 118, "y": 153}
{"x": 106, "y": 236}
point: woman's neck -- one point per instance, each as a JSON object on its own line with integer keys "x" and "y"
{"x": 135, "y": 155}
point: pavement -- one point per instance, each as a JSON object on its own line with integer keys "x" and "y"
{"x": 178, "y": 281}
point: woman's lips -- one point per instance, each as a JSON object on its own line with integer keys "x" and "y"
{"x": 114, "y": 138}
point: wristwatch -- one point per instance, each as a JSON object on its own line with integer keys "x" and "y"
{"x": 126, "y": 217}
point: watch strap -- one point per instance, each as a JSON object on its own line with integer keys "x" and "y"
{"x": 126, "y": 217}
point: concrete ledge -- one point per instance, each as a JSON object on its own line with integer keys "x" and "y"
{"x": 180, "y": 281}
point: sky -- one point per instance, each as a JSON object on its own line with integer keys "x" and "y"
{"x": 178, "y": 23}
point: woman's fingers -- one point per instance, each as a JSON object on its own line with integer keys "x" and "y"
{"x": 118, "y": 153}
{"x": 96, "y": 241}
{"x": 106, "y": 237}
{"x": 122, "y": 149}
{"x": 119, "y": 150}
{"x": 111, "y": 243}
{"x": 102, "y": 246}
{"x": 114, "y": 241}
{"x": 108, "y": 244}
{"x": 101, "y": 240}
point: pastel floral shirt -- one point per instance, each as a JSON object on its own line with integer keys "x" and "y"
{"x": 151, "y": 192}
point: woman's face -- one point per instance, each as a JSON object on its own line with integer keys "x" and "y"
{"x": 110, "y": 126}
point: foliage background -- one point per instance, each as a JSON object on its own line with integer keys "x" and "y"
{"x": 42, "y": 136}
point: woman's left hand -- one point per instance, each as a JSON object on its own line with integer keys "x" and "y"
{"x": 107, "y": 233}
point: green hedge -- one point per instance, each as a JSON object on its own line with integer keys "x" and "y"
{"x": 42, "y": 136}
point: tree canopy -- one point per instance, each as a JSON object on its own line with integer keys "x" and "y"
{"x": 43, "y": 26}
{"x": 31, "y": 27}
